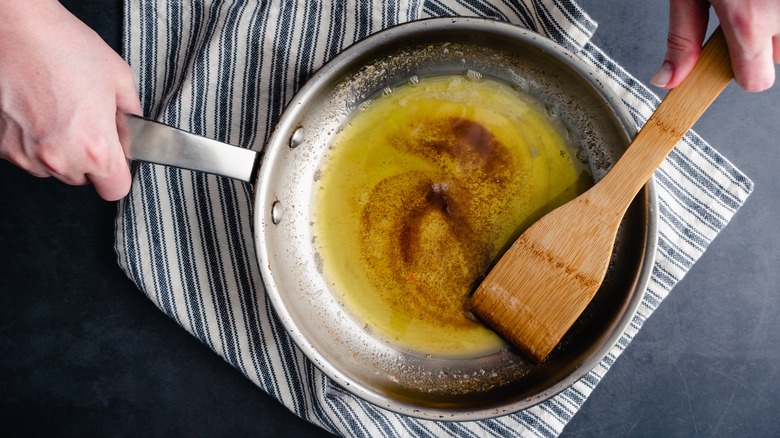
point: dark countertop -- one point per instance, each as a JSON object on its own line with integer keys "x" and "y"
{"x": 83, "y": 353}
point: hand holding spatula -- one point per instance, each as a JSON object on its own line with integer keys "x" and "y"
{"x": 542, "y": 284}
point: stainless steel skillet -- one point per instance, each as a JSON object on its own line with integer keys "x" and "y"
{"x": 284, "y": 175}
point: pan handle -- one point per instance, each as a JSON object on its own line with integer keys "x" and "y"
{"x": 154, "y": 142}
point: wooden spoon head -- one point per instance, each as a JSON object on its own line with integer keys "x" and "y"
{"x": 541, "y": 285}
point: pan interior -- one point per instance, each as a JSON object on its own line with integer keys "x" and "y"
{"x": 421, "y": 191}
{"x": 434, "y": 386}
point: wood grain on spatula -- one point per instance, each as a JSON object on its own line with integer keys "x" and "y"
{"x": 542, "y": 284}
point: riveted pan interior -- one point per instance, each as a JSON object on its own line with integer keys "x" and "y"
{"x": 428, "y": 386}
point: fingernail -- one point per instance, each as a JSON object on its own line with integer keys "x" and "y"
{"x": 662, "y": 77}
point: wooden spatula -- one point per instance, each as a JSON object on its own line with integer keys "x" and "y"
{"x": 541, "y": 285}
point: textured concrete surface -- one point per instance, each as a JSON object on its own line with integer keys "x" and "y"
{"x": 83, "y": 353}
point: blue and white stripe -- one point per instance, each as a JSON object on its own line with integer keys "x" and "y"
{"x": 225, "y": 69}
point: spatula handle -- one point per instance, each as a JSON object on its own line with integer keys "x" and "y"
{"x": 676, "y": 114}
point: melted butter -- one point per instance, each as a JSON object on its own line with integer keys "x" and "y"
{"x": 422, "y": 191}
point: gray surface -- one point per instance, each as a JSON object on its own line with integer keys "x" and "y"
{"x": 83, "y": 353}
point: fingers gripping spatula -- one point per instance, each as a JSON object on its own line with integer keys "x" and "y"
{"x": 541, "y": 285}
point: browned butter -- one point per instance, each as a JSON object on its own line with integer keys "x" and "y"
{"x": 420, "y": 193}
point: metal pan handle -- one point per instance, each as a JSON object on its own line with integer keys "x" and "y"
{"x": 158, "y": 143}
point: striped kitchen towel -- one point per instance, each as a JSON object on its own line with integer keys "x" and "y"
{"x": 225, "y": 69}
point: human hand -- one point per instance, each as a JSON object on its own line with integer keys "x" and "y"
{"x": 752, "y": 31}
{"x": 61, "y": 89}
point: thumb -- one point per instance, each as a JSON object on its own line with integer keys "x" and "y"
{"x": 687, "y": 28}
{"x": 127, "y": 100}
